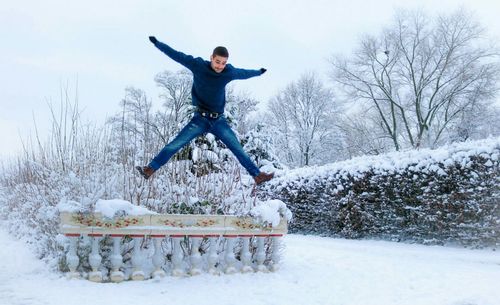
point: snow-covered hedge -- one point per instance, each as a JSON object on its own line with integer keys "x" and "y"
{"x": 446, "y": 196}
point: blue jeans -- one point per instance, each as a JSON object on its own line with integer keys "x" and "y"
{"x": 198, "y": 126}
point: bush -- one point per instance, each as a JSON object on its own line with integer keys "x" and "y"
{"x": 85, "y": 163}
{"x": 445, "y": 196}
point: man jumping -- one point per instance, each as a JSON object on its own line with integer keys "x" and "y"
{"x": 209, "y": 97}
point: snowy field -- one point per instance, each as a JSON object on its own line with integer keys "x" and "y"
{"x": 316, "y": 270}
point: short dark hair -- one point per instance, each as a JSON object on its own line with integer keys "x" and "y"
{"x": 221, "y": 51}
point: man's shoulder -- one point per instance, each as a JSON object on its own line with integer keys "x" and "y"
{"x": 228, "y": 70}
{"x": 200, "y": 62}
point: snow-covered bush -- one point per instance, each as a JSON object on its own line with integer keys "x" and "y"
{"x": 84, "y": 163}
{"x": 445, "y": 196}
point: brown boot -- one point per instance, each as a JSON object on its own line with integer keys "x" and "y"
{"x": 145, "y": 171}
{"x": 263, "y": 177}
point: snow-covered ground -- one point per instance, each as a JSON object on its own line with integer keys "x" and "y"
{"x": 315, "y": 270}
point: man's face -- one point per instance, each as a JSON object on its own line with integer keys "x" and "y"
{"x": 218, "y": 63}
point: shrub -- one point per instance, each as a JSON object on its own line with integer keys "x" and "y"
{"x": 445, "y": 196}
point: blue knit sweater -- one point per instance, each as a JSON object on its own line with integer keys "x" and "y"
{"x": 209, "y": 87}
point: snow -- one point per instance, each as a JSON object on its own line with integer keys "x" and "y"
{"x": 110, "y": 208}
{"x": 421, "y": 160}
{"x": 69, "y": 206}
{"x": 315, "y": 270}
{"x": 270, "y": 211}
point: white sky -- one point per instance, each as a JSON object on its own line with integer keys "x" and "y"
{"x": 103, "y": 46}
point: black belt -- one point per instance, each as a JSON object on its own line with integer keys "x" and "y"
{"x": 207, "y": 114}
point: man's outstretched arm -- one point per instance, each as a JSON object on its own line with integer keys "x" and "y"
{"x": 246, "y": 73}
{"x": 185, "y": 60}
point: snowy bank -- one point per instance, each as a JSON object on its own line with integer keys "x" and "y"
{"x": 316, "y": 271}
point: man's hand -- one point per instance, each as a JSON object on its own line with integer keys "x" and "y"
{"x": 263, "y": 70}
{"x": 153, "y": 39}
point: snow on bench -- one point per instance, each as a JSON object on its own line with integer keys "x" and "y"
{"x": 183, "y": 244}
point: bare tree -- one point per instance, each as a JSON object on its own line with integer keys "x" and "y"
{"x": 176, "y": 97}
{"x": 238, "y": 109}
{"x": 420, "y": 76}
{"x": 359, "y": 137}
{"x": 302, "y": 116}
